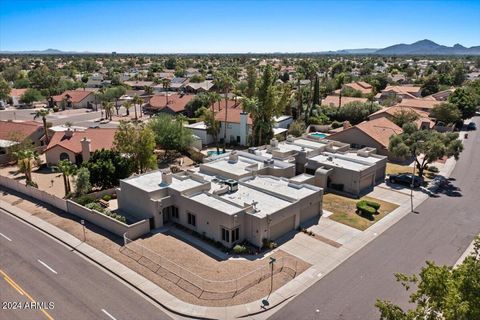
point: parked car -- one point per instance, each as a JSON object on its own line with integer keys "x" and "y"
{"x": 472, "y": 126}
{"x": 406, "y": 179}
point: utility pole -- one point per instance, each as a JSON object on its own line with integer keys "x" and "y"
{"x": 84, "y": 234}
{"x": 272, "y": 261}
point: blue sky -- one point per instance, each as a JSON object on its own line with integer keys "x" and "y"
{"x": 156, "y": 26}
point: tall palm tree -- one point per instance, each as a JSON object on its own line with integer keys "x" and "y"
{"x": 250, "y": 105}
{"x": 166, "y": 85}
{"x": 43, "y": 113}
{"x": 137, "y": 101}
{"x": 67, "y": 168}
{"x": 215, "y": 125}
{"x": 108, "y": 107}
{"x": 225, "y": 82}
{"x": 26, "y": 160}
{"x": 127, "y": 105}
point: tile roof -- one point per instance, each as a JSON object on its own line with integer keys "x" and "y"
{"x": 17, "y": 92}
{"x": 334, "y": 100}
{"x": 101, "y": 138}
{"x": 9, "y": 129}
{"x": 233, "y": 114}
{"x": 176, "y": 102}
{"x": 392, "y": 111}
{"x": 403, "y": 89}
{"x": 75, "y": 95}
{"x": 361, "y": 86}
{"x": 419, "y": 103}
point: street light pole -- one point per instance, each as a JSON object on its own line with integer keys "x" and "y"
{"x": 272, "y": 261}
{"x": 411, "y": 188}
{"x": 84, "y": 234}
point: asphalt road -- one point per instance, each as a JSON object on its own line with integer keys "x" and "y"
{"x": 440, "y": 232}
{"x": 35, "y": 267}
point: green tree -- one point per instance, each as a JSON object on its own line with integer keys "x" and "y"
{"x": 251, "y": 81}
{"x": 127, "y": 105}
{"x": 27, "y": 159}
{"x": 464, "y": 99}
{"x": 68, "y": 169}
{"x": 424, "y": 146}
{"x": 30, "y": 96}
{"x": 297, "y": 128}
{"x": 402, "y": 117}
{"x": 4, "y": 89}
{"x": 137, "y": 142}
{"x": 43, "y": 113}
{"x": 442, "y": 292}
{"x": 107, "y": 168}
{"x": 430, "y": 86}
{"x": 137, "y": 101}
{"x": 213, "y": 125}
{"x": 170, "y": 134}
{"x": 224, "y": 82}
{"x": 82, "y": 182}
{"x": 447, "y": 113}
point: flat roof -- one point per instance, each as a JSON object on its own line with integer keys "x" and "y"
{"x": 216, "y": 203}
{"x": 311, "y": 143}
{"x": 331, "y": 160}
{"x": 152, "y": 181}
{"x": 282, "y": 187}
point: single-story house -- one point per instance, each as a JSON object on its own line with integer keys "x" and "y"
{"x": 425, "y": 105}
{"x": 16, "y": 95}
{"x": 74, "y": 99}
{"x": 362, "y": 86}
{"x": 14, "y": 132}
{"x": 77, "y": 145}
{"x": 171, "y": 103}
{"x": 338, "y": 101}
{"x": 423, "y": 121}
{"x": 203, "y": 86}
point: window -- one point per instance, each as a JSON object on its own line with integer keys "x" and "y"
{"x": 235, "y": 234}
{"x": 225, "y": 235}
{"x": 174, "y": 212}
{"x": 171, "y": 210}
{"x": 64, "y": 156}
{"x": 192, "y": 219}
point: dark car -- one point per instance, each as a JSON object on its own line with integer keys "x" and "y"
{"x": 472, "y": 126}
{"x": 406, "y": 179}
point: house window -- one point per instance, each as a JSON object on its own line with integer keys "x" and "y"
{"x": 192, "y": 220}
{"x": 225, "y": 235}
{"x": 235, "y": 234}
{"x": 171, "y": 211}
{"x": 64, "y": 156}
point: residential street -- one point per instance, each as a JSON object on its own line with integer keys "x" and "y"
{"x": 47, "y": 271}
{"x": 441, "y": 231}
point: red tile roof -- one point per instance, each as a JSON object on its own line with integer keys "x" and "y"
{"x": 17, "y": 92}
{"x": 334, "y": 100}
{"x": 9, "y": 129}
{"x": 75, "y": 95}
{"x": 233, "y": 114}
{"x": 101, "y": 138}
{"x": 176, "y": 102}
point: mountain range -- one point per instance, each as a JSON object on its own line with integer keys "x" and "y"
{"x": 422, "y": 47}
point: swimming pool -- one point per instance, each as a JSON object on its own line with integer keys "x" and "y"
{"x": 214, "y": 153}
{"x": 319, "y": 135}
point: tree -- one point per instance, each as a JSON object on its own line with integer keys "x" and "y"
{"x": 137, "y": 142}
{"x": 424, "y": 146}
{"x": 116, "y": 93}
{"x": 82, "y": 182}
{"x": 107, "y": 167}
{"x": 170, "y": 134}
{"x": 464, "y": 99}
{"x": 108, "y": 107}
{"x": 137, "y": 101}
{"x": 128, "y": 105}
{"x": 43, "y": 113}
{"x": 447, "y": 113}
{"x": 26, "y": 160}
{"x": 213, "y": 125}
{"x": 4, "y": 89}
{"x": 30, "y": 96}
{"x": 442, "y": 292}
{"x": 430, "y": 86}
{"x": 297, "y": 128}
{"x": 224, "y": 82}
{"x": 67, "y": 168}
{"x": 251, "y": 81}
{"x": 401, "y": 117}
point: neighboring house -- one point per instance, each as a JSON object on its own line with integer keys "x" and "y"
{"x": 253, "y": 207}
{"x": 238, "y": 123}
{"x": 404, "y": 92}
{"x": 423, "y": 121}
{"x": 77, "y": 146}
{"x": 203, "y": 86}
{"x": 74, "y": 99}
{"x": 139, "y": 85}
{"x": 14, "y": 132}
{"x": 441, "y": 95}
{"x": 425, "y": 105}
{"x": 16, "y": 95}
{"x": 375, "y": 133}
{"x": 363, "y": 87}
{"x": 168, "y": 103}
{"x": 178, "y": 84}
{"x": 338, "y": 101}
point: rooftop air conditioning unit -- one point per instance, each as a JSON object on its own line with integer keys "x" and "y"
{"x": 252, "y": 150}
{"x": 268, "y": 162}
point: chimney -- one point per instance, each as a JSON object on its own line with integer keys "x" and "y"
{"x": 233, "y": 157}
{"x": 85, "y": 148}
{"x": 166, "y": 177}
{"x": 68, "y": 133}
{"x": 243, "y": 128}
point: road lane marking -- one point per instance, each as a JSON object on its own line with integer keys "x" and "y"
{"x": 47, "y": 266}
{"x": 13, "y": 285}
{"x": 1, "y": 234}
{"x": 108, "y": 314}
{"x": 8, "y": 279}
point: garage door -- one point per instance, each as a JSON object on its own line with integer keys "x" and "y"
{"x": 282, "y": 227}
{"x": 366, "y": 183}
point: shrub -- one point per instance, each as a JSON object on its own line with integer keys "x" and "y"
{"x": 365, "y": 209}
{"x": 373, "y": 204}
{"x": 433, "y": 169}
{"x": 336, "y": 124}
{"x": 107, "y": 197}
{"x": 85, "y": 199}
{"x": 94, "y": 206}
{"x": 239, "y": 249}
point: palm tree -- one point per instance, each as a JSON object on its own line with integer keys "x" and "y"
{"x": 137, "y": 101}
{"x": 225, "y": 82}
{"x": 67, "y": 168}
{"x": 26, "y": 160}
{"x": 250, "y": 105}
{"x": 166, "y": 85}
{"x": 43, "y": 113}
{"x": 108, "y": 107}
{"x": 214, "y": 124}
{"x": 127, "y": 105}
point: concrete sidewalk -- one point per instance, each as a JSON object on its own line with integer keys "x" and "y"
{"x": 254, "y": 310}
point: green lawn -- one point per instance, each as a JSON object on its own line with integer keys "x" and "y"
{"x": 344, "y": 210}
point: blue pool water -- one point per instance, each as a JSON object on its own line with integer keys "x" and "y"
{"x": 318, "y": 134}
{"x": 213, "y": 153}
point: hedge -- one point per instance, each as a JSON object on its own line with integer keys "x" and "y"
{"x": 365, "y": 209}
{"x": 373, "y": 204}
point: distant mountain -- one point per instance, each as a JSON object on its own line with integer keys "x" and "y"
{"x": 47, "y": 51}
{"x": 427, "y": 47}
